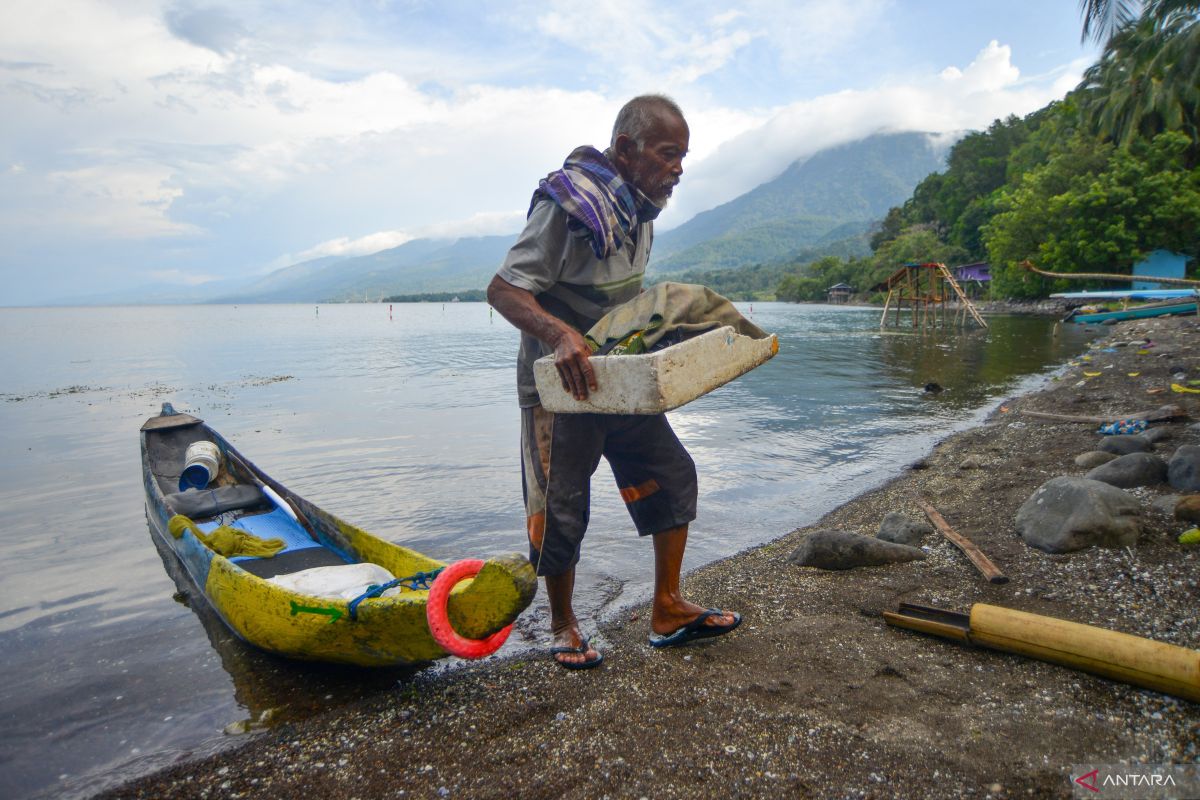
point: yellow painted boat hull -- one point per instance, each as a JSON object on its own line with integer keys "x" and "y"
{"x": 384, "y": 631}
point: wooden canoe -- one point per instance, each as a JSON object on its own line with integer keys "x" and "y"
{"x": 1181, "y": 308}
{"x": 382, "y": 631}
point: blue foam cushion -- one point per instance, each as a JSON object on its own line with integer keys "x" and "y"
{"x": 275, "y": 525}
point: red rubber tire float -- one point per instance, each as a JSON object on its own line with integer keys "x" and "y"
{"x": 439, "y": 621}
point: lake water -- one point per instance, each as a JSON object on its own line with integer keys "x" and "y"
{"x": 406, "y": 424}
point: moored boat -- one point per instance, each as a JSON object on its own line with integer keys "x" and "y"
{"x": 1179, "y": 307}
{"x": 249, "y": 590}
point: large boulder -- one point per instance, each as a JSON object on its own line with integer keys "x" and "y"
{"x": 1135, "y": 469}
{"x": 1068, "y": 513}
{"x": 827, "y": 549}
{"x": 1093, "y": 458}
{"x": 1153, "y": 435}
{"x": 1183, "y": 473}
{"x": 1165, "y": 505}
{"x": 1188, "y": 508}
{"x": 1124, "y": 445}
{"x": 900, "y": 529}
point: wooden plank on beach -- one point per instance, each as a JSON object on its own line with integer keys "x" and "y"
{"x": 1157, "y": 415}
{"x": 981, "y": 562}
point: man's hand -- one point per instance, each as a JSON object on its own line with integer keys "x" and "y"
{"x": 571, "y": 351}
{"x": 571, "y": 359}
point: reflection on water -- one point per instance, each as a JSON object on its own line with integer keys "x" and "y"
{"x": 407, "y": 426}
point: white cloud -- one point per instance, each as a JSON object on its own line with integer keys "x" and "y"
{"x": 345, "y": 246}
{"x": 180, "y": 278}
{"x": 483, "y": 223}
{"x": 806, "y": 32}
{"x": 954, "y": 101}
{"x": 223, "y": 135}
{"x": 127, "y": 201}
{"x": 991, "y": 71}
{"x": 644, "y": 45}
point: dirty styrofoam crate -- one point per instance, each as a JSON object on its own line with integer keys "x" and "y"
{"x": 651, "y": 383}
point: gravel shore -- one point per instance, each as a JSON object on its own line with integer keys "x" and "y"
{"x": 814, "y": 696}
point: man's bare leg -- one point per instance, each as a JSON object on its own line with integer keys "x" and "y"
{"x": 671, "y": 611}
{"x": 563, "y": 625}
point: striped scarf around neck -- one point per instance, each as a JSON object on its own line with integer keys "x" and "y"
{"x": 596, "y": 199}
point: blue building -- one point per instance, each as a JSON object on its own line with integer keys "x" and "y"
{"x": 1159, "y": 264}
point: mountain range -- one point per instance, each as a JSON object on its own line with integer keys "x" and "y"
{"x": 824, "y": 204}
{"x": 832, "y": 196}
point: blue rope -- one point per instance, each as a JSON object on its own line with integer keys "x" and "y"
{"x": 419, "y": 581}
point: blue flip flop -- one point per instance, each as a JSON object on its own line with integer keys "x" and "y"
{"x": 583, "y": 648}
{"x": 696, "y": 629}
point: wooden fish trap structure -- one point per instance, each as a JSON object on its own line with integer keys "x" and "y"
{"x": 925, "y": 289}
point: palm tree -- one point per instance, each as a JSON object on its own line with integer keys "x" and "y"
{"x": 1148, "y": 78}
{"x": 1103, "y": 18}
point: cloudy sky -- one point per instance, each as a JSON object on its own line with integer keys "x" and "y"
{"x": 148, "y": 142}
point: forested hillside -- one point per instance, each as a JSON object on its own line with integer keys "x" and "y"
{"x": 832, "y": 196}
{"x": 1091, "y": 183}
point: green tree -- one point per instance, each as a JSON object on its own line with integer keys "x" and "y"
{"x": 1095, "y": 208}
{"x": 1148, "y": 78}
{"x": 917, "y": 244}
{"x": 797, "y": 288}
{"x": 1102, "y": 18}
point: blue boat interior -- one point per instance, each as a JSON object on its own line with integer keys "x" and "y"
{"x": 300, "y": 550}
{"x": 234, "y": 501}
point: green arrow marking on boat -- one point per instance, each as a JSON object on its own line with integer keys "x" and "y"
{"x": 334, "y": 614}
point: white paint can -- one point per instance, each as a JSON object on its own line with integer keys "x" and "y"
{"x": 200, "y": 465}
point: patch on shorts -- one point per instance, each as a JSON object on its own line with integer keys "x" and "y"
{"x": 631, "y": 494}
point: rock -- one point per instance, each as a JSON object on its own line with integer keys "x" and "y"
{"x": 1123, "y": 445}
{"x": 900, "y": 529}
{"x": 1067, "y": 514}
{"x": 1153, "y": 435}
{"x": 1165, "y": 505}
{"x": 1183, "y": 473}
{"x": 1135, "y": 469}
{"x": 971, "y": 462}
{"x": 1188, "y": 508}
{"x": 1093, "y": 458}
{"x": 827, "y": 549}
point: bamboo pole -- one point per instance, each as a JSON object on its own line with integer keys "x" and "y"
{"x": 1108, "y": 276}
{"x": 1122, "y": 657}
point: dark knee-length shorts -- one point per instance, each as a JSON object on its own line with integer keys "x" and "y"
{"x": 559, "y": 454}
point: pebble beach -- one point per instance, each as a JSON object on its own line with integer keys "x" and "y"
{"x": 815, "y": 695}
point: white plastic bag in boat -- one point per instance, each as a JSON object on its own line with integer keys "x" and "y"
{"x": 345, "y": 581}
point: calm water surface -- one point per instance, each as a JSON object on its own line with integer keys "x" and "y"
{"x": 405, "y": 424}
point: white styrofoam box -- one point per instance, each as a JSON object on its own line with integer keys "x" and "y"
{"x": 652, "y": 383}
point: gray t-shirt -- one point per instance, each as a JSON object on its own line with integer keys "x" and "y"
{"x": 567, "y": 279}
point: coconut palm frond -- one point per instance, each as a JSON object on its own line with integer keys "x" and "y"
{"x": 1103, "y": 18}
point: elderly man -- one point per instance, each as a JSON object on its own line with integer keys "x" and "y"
{"x": 583, "y": 252}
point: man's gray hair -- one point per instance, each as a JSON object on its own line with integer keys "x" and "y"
{"x": 639, "y": 115}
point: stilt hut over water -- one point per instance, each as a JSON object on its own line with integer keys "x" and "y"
{"x": 973, "y": 278}
{"x": 840, "y": 293}
{"x": 926, "y": 289}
